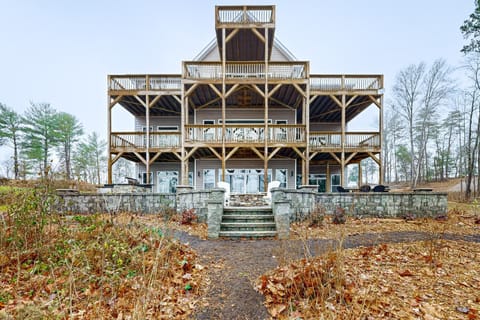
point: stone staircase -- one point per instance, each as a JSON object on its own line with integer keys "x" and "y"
{"x": 247, "y": 222}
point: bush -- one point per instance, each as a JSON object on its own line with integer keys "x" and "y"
{"x": 316, "y": 217}
{"x": 188, "y": 216}
{"x": 339, "y": 216}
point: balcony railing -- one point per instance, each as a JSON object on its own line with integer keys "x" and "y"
{"x": 367, "y": 140}
{"x": 245, "y": 133}
{"x": 164, "y": 139}
{"x": 244, "y": 15}
{"x": 145, "y": 82}
{"x": 332, "y": 83}
{"x": 196, "y": 70}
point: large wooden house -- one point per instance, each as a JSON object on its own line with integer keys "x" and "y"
{"x": 245, "y": 111}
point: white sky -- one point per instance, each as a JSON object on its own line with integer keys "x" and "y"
{"x": 61, "y": 51}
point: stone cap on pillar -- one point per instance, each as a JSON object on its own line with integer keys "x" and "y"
{"x": 309, "y": 187}
{"x": 184, "y": 188}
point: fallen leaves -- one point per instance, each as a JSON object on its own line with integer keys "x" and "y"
{"x": 397, "y": 281}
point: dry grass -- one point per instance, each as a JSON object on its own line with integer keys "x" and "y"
{"x": 91, "y": 267}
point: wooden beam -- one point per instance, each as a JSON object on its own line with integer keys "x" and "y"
{"x": 334, "y": 156}
{"x": 312, "y": 98}
{"x": 179, "y": 156}
{"x": 218, "y": 93}
{"x": 189, "y": 154}
{"x": 350, "y": 157}
{"x": 259, "y": 35}
{"x": 116, "y": 158}
{"x": 177, "y": 98}
{"x": 155, "y": 100}
{"x": 231, "y": 35}
{"x": 232, "y": 90}
{"x": 231, "y": 153}
{"x": 374, "y": 100}
{"x": 260, "y": 92}
{"x": 300, "y": 90}
{"x": 258, "y": 153}
{"x": 190, "y": 90}
{"x": 115, "y": 101}
{"x": 335, "y": 99}
{"x": 312, "y": 155}
{"x": 155, "y": 157}
{"x": 140, "y": 157}
{"x": 215, "y": 153}
{"x": 377, "y": 160}
{"x": 141, "y": 101}
{"x": 350, "y": 101}
{"x": 299, "y": 153}
{"x": 271, "y": 92}
{"x": 282, "y": 104}
{"x": 208, "y": 103}
{"x": 270, "y": 156}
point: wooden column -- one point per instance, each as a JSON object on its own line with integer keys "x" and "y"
{"x": 109, "y": 135}
{"x": 184, "y": 161}
{"x": 328, "y": 185}
{"x": 266, "y": 127}
{"x": 381, "y": 172}
{"x": 224, "y": 55}
{"x": 360, "y": 174}
{"x": 183, "y": 136}
{"x": 147, "y": 122}
{"x": 342, "y": 164}
{"x": 306, "y": 106}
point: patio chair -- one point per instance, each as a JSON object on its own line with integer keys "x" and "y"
{"x": 271, "y": 185}
{"x": 341, "y": 189}
{"x": 226, "y": 186}
{"x": 379, "y": 188}
{"x": 365, "y": 188}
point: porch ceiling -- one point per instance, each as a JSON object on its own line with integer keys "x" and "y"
{"x": 166, "y": 105}
{"x": 245, "y": 45}
{"x": 325, "y": 109}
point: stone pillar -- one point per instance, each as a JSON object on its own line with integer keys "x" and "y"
{"x": 308, "y": 187}
{"x": 214, "y": 212}
{"x": 282, "y": 211}
{"x": 184, "y": 197}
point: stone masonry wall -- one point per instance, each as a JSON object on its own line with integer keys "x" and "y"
{"x": 115, "y": 202}
{"x": 365, "y": 204}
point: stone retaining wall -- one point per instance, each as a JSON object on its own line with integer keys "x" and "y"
{"x": 115, "y": 202}
{"x": 365, "y": 204}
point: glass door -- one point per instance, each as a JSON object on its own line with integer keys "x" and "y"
{"x": 319, "y": 180}
{"x": 167, "y": 181}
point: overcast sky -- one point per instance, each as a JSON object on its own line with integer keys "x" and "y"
{"x": 61, "y": 51}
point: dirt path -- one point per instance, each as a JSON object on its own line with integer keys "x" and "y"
{"x": 235, "y": 264}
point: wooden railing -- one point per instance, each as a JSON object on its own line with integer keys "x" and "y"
{"x": 332, "y": 83}
{"x": 245, "y": 133}
{"x": 144, "y": 82}
{"x": 164, "y": 139}
{"x": 324, "y": 139}
{"x": 197, "y": 70}
{"x": 243, "y": 15}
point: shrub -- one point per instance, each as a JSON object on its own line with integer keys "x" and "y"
{"x": 339, "y": 216}
{"x": 316, "y": 217}
{"x": 188, "y": 216}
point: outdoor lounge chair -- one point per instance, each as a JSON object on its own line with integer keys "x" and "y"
{"x": 341, "y": 189}
{"x": 365, "y": 188}
{"x": 379, "y": 188}
{"x": 226, "y": 186}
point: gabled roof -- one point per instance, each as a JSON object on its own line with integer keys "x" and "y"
{"x": 211, "y": 52}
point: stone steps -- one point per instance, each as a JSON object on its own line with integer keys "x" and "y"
{"x": 248, "y": 222}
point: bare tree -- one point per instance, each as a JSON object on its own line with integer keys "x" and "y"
{"x": 407, "y": 92}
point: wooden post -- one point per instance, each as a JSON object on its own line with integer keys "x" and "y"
{"x": 342, "y": 164}
{"x": 224, "y": 131}
{"x": 381, "y": 172}
{"x": 328, "y": 185}
{"x": 109, "y": 135}
{"x": 182, "y": 136}
{"x": 359, "y": 174}
{"x": 266, "y": 127}
{"x": 147, "y": 119}
{"x": 306, "y": 106}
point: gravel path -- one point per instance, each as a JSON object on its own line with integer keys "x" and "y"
{"x": 235, "y": 264}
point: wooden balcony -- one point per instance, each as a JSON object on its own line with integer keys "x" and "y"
{"x": 244, "y": 16}
{"x": 355, "y": 141}
{"x": 135, "y": 83}
{"x": 362, "y": 84}
{"x": 137, "y": 141}
{"x": 238, "y": 71}
{"x": 246, "y": 134}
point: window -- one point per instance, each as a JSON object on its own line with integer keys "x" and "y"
{"x": 167, "y": 181}
{"x": 320, "y": 180}
{"x": 335, "y": 182}
{"x": 280, "y": 134}
{"x": 166, "y": 140}
{"x": 144, "y": 141}
{"x": 208, "y": 178}
{"x": 143, "y": 176}
{"x": 209, "y": 133}
{"x": 281, "y": 175}
{"x": 246, "y": 180}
